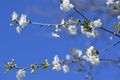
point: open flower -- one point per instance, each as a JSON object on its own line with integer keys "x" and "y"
{"x": 72, "y": 29}
{"x": 68, "y": 57}
{"x": 23, "y": 21}
{"x": 118, "y": 17}
{"x": 93, "y": 59}
{"x": 14, "y": 16}
{"x": 96, "y": 23}
{"x": 66, "y": 6}
{"x": 65, "y": 68}
{"x": 55, "y": 35}
{"x": 18, "y": 29}
{"x": 110, "y": 2}
{"x": 78, "y": 52}
{"x": 20, "y": 74}
{"x": 89, "y": 51}
{"x": 56, "y": 64}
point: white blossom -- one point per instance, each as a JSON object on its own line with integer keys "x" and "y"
{"x": 14, "y": 16}
{"x": 117, "y": 2}
{"x": 118, "y": 17}
{"x": 55, "y": 35}
{"x": 110, "y": 2}
{"x": 56, "y": 63}
{"x": 90, "y": 50}
{"x": 72, "y": 29}
{"x": 78, "y": 52}
{"x": 111, "y": 38}
{"x": 66, "y": 5}
{"x": 88, "y": 34}
{"x": 68, "y": 57}
{"x": 57, "y": 67}
{"x": 85, "y": 57}
{"x": 91, "y": 34}
{"x": 57, "y": 28}
{"x": 93, "y": 59}
{"x": 83, "y": 30}
{"x": 56, "y": 58}
{"x": 92, "y": 25}
{"x": 23, "y": 21}
{"x": 62, "y": 21}
{"x": 18, "y": 29}
{"x": 97, "y": 23}
{"x": 65, "y": 68}
{"x": 20, "y": 74}
{"x": 94, "y": 33}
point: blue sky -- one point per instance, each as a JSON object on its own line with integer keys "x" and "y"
{"x": 35, "y": 44}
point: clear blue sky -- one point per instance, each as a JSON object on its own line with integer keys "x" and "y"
{"x": 36, "y": 44}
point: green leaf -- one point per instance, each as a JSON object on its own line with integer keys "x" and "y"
{"x": 7, "y": 70}
{"x": 45, "y": 65}
{"x": 73, "y": 51}
{"x": 118, "y": 26}
{"x": 114, "y": 26}
{"x": 9, "y": 67}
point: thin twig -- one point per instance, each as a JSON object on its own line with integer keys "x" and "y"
{"x": 102, "y": 28}
{"x": 109, "y": 47}
{"x": 80, "y": 13}
{"x": 108, "y": 59}
{"x": 42, "y": 24}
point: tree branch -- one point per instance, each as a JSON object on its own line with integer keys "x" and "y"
{"x": 80, "y": 13}
{"x": 102, "y": 28}
{"x": 110, "y": 47}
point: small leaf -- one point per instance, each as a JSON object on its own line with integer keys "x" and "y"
{"x": 118, "y": 26}
{"x": 73, "y": 51}
{"x": 114, "y": 26}
{"x": 7, "y": 70}
{"x": 45, "y": 65}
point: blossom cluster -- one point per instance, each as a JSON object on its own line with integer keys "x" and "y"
{"x": 71, "y": 26}
{"x": 57, "y": 66}
{"x": 114, "y": 4}
{"x": 88, "y": 28}
{"x": 91, "y": 55}
{"x": 11, "y": 65}
{"x": 22, "y": 21}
